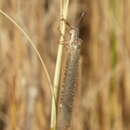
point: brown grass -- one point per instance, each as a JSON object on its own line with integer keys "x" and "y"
{"x": 105, "y": 77}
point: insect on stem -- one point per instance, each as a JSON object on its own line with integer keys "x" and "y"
{"x": 69, "y": 81}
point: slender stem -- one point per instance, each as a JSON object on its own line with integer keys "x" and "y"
{"x": 63, "y": 15}
{"x": 34, "y": 47}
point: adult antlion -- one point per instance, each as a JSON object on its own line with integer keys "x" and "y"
{"x": 68, "y": 88}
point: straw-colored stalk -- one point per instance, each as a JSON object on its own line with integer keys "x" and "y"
{"x": 33, "y": 46}
{"x": 63, "y": 15}
{"x": 35, "y": 50}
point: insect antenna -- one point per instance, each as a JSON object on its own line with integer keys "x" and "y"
{"x": 82, "y": 15}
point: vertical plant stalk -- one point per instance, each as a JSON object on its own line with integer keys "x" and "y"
{"x": 57, "y": 77}
{"x": 68, "y": 88}
{"x": 115, "y": 108}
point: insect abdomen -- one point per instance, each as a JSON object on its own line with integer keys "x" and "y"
{"x": 68, "y": 89}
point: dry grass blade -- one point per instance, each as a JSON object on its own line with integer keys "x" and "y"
{"x": 63, "y": 15}
{"x": 34, "y": 47}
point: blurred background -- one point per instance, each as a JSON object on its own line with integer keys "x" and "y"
{"x": 103, "y": 100}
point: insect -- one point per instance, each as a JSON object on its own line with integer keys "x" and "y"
{"x": 68, "y": 87}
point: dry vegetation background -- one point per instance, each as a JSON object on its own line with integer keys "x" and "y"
{"x": 104, "y": 102}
